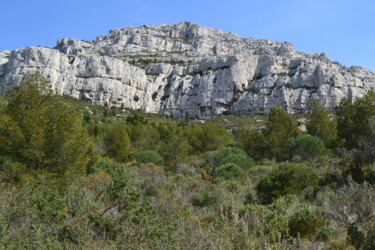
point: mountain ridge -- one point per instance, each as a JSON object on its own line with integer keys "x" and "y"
{"x": 186, "y": 68}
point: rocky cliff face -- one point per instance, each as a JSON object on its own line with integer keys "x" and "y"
{"x": 179, "y": 68}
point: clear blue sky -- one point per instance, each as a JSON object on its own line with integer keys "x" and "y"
{"x": 344, "y": 29}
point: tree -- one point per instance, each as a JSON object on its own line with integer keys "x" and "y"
{"x": 116, "y": 142}
{"x": 279, "y": 129}
{"x": 207, "y": 137}
{"x": 215, "y": 136}
{"x": 195, "y": 134}
{"x": 40, "y": 130}
{"x": 252, "y": 142}
{"x": 306, "y": 146}
{"x": 320, "y": 124}
{"x": 354, "y": 119}
{"x": 174, "y": 145}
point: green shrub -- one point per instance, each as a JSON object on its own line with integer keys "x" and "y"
{"x": 306, "y": 147}
{"x": 149, "y": 156}
{"x": 288, "y": 178}
{"x": 230, "y": 171}
{"x": 102, "y": 165}
{"x": 306, "y": 221}
{"x": 233, "y": 155}
{"x": 285, "y": 217}
{"x": 370, "y": 239}
{"x": 355, "y": 236}
{"x": 326, "y": 233}
{"x": 359, "y": 238}
{"x": 205, "y": 198}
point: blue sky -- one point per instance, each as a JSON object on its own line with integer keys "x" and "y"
{"x": 344, "y": 29}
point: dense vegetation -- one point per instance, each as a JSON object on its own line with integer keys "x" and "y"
{"x": 73, "y": 175}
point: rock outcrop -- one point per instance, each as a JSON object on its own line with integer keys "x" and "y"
{"x": 179, "y": 68}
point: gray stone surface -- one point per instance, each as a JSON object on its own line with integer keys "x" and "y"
{"x": 184, "y": 67}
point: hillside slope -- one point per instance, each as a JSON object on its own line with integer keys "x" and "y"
{"x": 184, "y": 67}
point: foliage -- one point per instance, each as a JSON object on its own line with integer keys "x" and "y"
{"x": 101, "y": 210}
{"x": 207, "y": 137}
{"x": 320, "y": 124}
{"x": 40, "y": 130}
{"x": 235, "y": 156}
{"x": 350, "y": 202}
{"x": 206, "y": 194}
{"x": 355, "y": 236}
{"x": 353, "y": 119}
{"x": 230, "y": 171}
{"x": 279, "y": 129}
{"x": 149, "y": 156}
{"x": 3, "y": 105}
{"x": 326, "y": 233}
{"x": 288, "y": 178}
{"x": 116, "y": 142}
{"x": 285, "y": 217}
{"x": 306, "y": 221}
{"x": 252, "y": 142}
{"x": 143, "y": 136}
{"x": 174, "y": 145}
{"x": 359, "y": 239}
{"x": 305, "y": 146}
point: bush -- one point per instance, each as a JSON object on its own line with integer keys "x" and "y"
{"x": 288, "y": 178}
{"x": 360, "y": 240}
{"x": 350, "y": 202}
{"x": 285, "y": 217}
{"x": 205, "y": 198}
{"x": 355, "y": 236}
{"x": 306, "y": 221}
{"x": 149, "y": 156}
{"x": 306, "y": 147}
{"x": 326, "y": 233}
{"x": 102, "y": 165}
{"x": 235, "y": 156}
{"x": 230, "y": 171}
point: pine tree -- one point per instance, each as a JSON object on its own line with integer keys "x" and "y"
{"x": 40, "y": 130}
{"x": 320, "y": 124}
{"x": 279, "y": 129}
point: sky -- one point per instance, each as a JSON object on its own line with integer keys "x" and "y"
{"x": 343, "y": 29}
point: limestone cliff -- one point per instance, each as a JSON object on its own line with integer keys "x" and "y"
{"x": 184, "y": 67}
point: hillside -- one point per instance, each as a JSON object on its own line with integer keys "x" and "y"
{"x": 76, "y": 175}
{"x": 186, "y": 68}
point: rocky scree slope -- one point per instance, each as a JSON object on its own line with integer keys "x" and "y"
{"x": 184, "y": 67}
